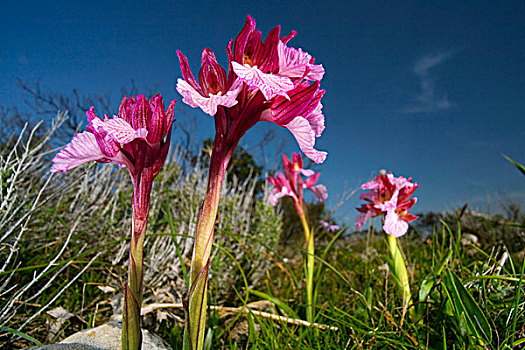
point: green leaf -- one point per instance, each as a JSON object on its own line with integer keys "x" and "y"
{"x": 466, "y": 308}
{"x": 516, "y": 164}
{"x": 426, "y": 287}
{"x": 276, "y": 301}
{"x": 20, "y": 334}
{"x": 208, "y": 341}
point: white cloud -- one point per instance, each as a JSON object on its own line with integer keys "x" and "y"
{"x": 428, "y": 100}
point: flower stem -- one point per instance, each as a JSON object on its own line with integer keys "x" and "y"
{"x": 131, "y": 332}
{"x": 309, "y": 267}
{"x": 400, "y": 272}
{"x": 197, "y": 298}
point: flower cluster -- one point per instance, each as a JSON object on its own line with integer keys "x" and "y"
{"x": 134, "y": 138}
{"x": 389, "y": 196}
{"x": 292, "y": 184}
{"x": 266, "y": 81}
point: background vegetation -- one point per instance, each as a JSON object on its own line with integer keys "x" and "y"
{"x": 63, "y": 251}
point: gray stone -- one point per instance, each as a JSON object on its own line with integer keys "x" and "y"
{"x": 105, "y": 337}
{"x": 72, "y": 346}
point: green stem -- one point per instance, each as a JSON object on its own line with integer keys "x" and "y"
{"x": 400, "y": 271}
{"x": 309, "y": 267}
{"x": 197, "y": 298}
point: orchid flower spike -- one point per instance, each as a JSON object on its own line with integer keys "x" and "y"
{"x": 265, "y": 81}
{"x": 137, "y": 138}
{"x": 292, "y": 184}
{"x": 388, "y": 196}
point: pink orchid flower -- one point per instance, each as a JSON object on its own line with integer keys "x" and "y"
{"x": 134, "y": 138}
{"x": 292, "y": 184}
{"x": 266, "y": 81}
{"x": 137, "y": 138}
{"x": 390, "y": 197}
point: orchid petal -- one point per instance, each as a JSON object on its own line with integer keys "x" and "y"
{"x": 158, "y": 119}
{"x": 186, "y": 72}
{"x": 303, "y": 101}
{"x": 297, "y": 160}
{"x": 307, "y": 172}
{"x": 370, "y": 185}
{"x": 294, "y": 63}
{"x": 312, "y": 180}
{"x": 83, "y": 148}
{"x": 270, "y": 85}
{"x": 320, "y": 192}
{"x": 316, "y": 120}
{"x": 390, "y": 204}
{"x": 394, "y": 225}
{"x": 242, "y": 38}
{"x": 328, "y": 227}
{"x": 120, "y": 131}
{"x": 207, "y": 104}
{"x": 281, "y": 189}
{"x": 275, "y": 195}
{"x": 362, "y": 219}
{"x": 305, "y": 136}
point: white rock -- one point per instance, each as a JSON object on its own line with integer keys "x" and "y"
{"x": 105, "y": 337}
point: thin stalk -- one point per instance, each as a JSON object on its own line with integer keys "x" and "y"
{"x": 197, "y": 298}
{"x": 400, "y": 271}
{"x": 309, "y": 267}
{"x": 131, "y": 319}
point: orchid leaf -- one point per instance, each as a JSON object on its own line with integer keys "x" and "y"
{"x": 426, "y": 287}
{"x": 466, "y": 309}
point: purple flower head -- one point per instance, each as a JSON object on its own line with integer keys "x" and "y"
{"x": 292, "y": 184}
{"x": 329, "y": 227}
{"x": 265, "y": 81}
{"x": 388, "y": 196}
{"x": 137, "y": 138}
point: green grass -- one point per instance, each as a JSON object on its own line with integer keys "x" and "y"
{"x": 466, "y": 296}
{"x": 466, "y": 300}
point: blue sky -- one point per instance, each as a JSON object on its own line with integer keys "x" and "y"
{"x": 431, "y": 90}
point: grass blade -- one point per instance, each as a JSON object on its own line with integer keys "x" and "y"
{"x": 516, "y": 164}
{"x": 177, "y": 248}
{"x": 276, "y": 301}
{"x": 20, "y": 334}
{"x": 516, "y": 303}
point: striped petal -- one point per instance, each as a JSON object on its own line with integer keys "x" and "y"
{"x": 271, "y": 85}
{"x": 294, "y": 63}
{"x": 208, "y": 104}
{"x": 305, "y": 136}
{"x": 83, "y": 148}
{"x": 121, "y": 131}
